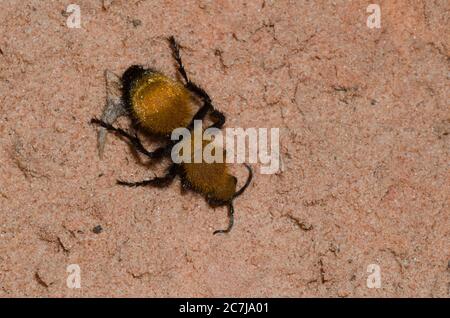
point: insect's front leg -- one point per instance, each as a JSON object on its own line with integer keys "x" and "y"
{"x": 197, "y": 90}
{"x": 159, "y": 182}
{"x": 134, "y": 140}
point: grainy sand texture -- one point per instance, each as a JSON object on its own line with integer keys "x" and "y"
{"x": 364, "y": 123}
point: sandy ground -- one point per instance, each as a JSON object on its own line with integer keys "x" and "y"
{"x": 364, "y": 120}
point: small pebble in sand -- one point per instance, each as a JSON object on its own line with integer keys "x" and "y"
{"x": 97, "y": 229}
{"x": 136, "y": 22}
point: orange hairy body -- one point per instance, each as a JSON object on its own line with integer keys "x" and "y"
{"x": 209, "y": 178}
{"x": 160, "y": 104}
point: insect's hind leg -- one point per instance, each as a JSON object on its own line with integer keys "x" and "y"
{"x": 134, "y": 140}
{"x": 159, "y": 182}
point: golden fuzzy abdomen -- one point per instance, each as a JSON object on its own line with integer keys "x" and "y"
{"x": 211, "y": 179}
{"x": 160, "y": 104}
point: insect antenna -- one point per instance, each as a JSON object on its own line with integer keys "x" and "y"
{"x": 230, "y": 205}
{"x": 247, "y": 183}
{"x": 230, "y": 220}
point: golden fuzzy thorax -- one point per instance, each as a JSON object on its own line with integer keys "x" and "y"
{"x": 161, "y": 104}
{"x": 211, "y": 179}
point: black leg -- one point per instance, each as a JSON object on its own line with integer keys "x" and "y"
{"x": 197, "y": 90}
{"x": 134, "y": 140}
{"x": 176, "y": 55}
{"x": 230, "y": 222}
{"x": 200, "y": 115}
{"x": 189, "y": 85}
{"x": 159, "y": 182}
{"x": 219, "y": 118}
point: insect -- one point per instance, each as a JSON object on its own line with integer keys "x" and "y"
{"x": 157, "y": 105}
